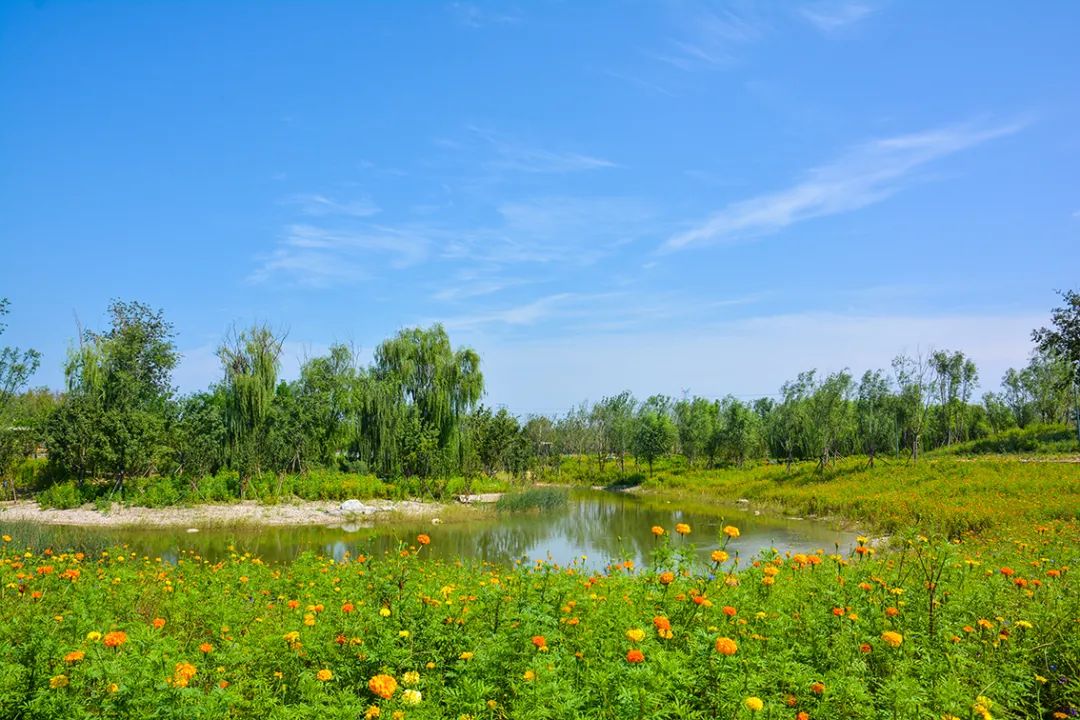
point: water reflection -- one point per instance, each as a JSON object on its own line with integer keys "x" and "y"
{"x": 601, "y": 526}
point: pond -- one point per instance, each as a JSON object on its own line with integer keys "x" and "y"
{"x": 594, "y": 528}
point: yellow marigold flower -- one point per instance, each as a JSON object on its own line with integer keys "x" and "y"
{"x": 465, "y": 656}
{"x": 529, "y": 676}
{"x": 113, "y": 687}
{"x": 7, "y": 538}
{"x": 411, "y": 678}
{"x": 324, "y": 675}
{"x": 753, "y": 703}
{"x": 719, "y": 556}
{"x": 372, "y": 712}
{"x": 657, "y": 530}
{"x": 58, "y": 681}
{"x": 892, "y": 639}
{"x": 93, "y": 636}
{"x": 682, "y": 529}
{"x": 383, "y": 685}
{"x": 635, "y": 634}
{"x": 411, "y": 697}
{"x": 1024, "y": 624}
{"x": 291, "y": 637}
{"x": 731, "y": 531}
{"x": 403, "y": 633}
{"x": 384, "y": 611}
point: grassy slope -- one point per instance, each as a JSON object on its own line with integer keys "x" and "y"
{"x": 947, "y": 493}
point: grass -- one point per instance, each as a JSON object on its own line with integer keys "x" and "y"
{"x": 538, "y": 498}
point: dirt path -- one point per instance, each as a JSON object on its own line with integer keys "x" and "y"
{"x": 201, "y": 516}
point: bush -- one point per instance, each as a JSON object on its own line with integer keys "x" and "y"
{"x": 62, "y": 496}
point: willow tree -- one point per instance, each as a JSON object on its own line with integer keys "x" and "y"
{"x": 250, "y": 360}
{"x": 420, "y": 382}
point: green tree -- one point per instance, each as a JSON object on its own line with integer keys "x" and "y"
{"x": 16, "y": 368}
{"x": 695, "y": 422}
{"x": 1062, "y": 340}
{"x": 652, "y": 435}
{"x": 873, "y": 413}
{"x": 738, "y": 430}
{"x": 250, "y": 361}
{"x": 118, "y": 393}
{"x": 913, "y": 380}
{"x": 420, "y": 381}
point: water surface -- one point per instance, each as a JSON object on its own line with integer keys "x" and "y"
{"x": 598, "y": 526}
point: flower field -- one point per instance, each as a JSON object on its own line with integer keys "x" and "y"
{"x": 987, "y": 627}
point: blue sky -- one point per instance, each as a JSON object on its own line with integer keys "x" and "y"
{"x": 596, "y": 196}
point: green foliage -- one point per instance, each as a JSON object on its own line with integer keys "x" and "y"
{"x": 539, "y": 498}
{"x": 1033, "y": 439}
{"x": 61, "y": 496}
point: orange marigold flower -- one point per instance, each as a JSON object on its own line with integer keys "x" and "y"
{"x": 657, "y": 530}
{"x": 347, "y": 607}
{"x": 802, "y": 715}
{"x": 293, "y": 604}
{"x": 635, "y": 656}
{"x": 539, "y": 641}
{"x": 726, "y": 646}
{"x": 892, "y": 611}
{"x": 423, "y": 539}
{"x": 115, "y": 639}
{"x": 1007, "y": 571}
{"x": 667, "y": 577}
{"x": 182, "y": 674}
{"x": 158, "y": 623}
{"x": 661, "y": 623}
{"x": 817, "y": 688}
{"x": 865, "y": 648}
{"x": 730, "y": 611}
{"x": 682, "y": 529}
{"x": 205, "y": 648}
{"x": 383, "y": 685}
{"x": 74, "y": 656}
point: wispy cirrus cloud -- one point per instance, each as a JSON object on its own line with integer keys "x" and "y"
{"x": 318, "y": 205}
{"x": 710, "y": 38}
{"x": 318, "y": 256}
{"x": 867, "y": 174}
{"x": 513, "y": 154}
{"x": 831, "y": 16}
{"x": 474, "y": 16}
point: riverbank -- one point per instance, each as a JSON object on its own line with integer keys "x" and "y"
{"x": 298, "y": 513}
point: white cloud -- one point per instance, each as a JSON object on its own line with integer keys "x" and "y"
{"x": 831, "y": 16}
{"x": 520, "y": 157}
{"x": 865, "y": 175}
{"x": 711, "y": 38}
{"x": 318, "y": 257}
{"x": 320, "y": 205}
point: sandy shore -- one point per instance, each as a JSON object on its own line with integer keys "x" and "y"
{"x": 201, "y": 516}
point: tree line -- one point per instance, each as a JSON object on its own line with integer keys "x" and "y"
{"x": 415, "y": 410}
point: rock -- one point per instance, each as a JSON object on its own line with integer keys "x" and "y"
{"x": 193, "y": 530}
{"x": 743, "y": 501}
{"x": 350, "y": 527}
{"x": 355, "y": 507}
{"x": 479, "y": 498}
{"x": 436, "y": 521}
